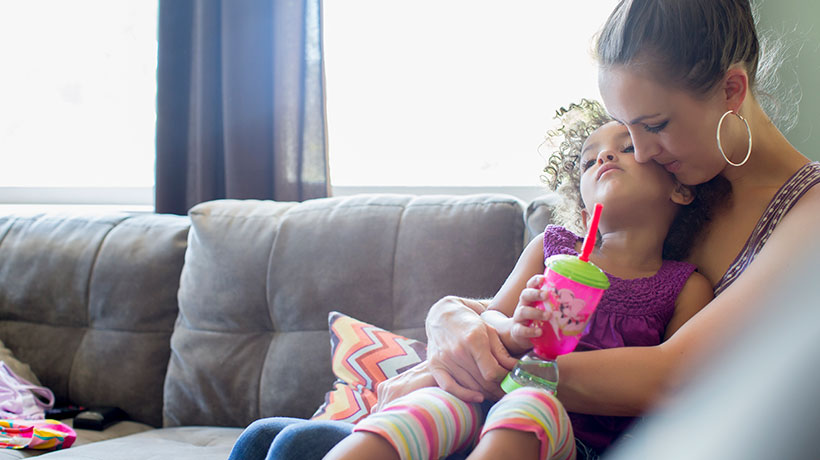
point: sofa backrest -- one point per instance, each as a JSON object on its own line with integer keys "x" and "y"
{"x": 89, "y": 302}
{"x": 260, "y": 278}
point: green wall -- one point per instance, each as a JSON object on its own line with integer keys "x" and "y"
{"x": 798, "y": 22}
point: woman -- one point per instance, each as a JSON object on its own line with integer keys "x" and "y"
{"x": 680, "y": 75}
{"x": 686, "y": 104}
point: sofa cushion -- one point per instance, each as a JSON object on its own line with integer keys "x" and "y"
{"x": 18, "y": 367}
{"x": 89, "y": 302}
{"x": 260, "y": 278}
{"x": 363, "y": 356}
{"x": 540, "y": 213}
{"x": 181, "y": 443}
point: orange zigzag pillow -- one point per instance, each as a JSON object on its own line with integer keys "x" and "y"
{"x": 362, "y": 356}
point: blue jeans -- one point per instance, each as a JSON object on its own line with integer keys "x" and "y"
{"x": 282, "y": 438}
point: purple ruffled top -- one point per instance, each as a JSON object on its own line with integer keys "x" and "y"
{"x": 632, "y": 312}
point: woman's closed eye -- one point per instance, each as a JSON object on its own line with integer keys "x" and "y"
{"x": 656, "y": 128}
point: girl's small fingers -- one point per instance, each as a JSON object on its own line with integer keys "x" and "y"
{"x": 520, "y": 330}
{"x": 524, "y": 313}
{"x": 535, "y": 281}
{"x": 530, "y": 295}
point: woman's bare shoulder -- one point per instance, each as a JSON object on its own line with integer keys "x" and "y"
{"x": 805, "y": 211}
{"x": 787, "y": 243}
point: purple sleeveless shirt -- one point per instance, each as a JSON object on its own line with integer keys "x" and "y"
{"x": 632, "y": 312}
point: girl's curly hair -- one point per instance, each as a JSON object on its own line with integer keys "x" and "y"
{"x": 562, "y": 174}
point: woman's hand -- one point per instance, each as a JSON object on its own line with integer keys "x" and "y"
{"x": 465, "y": 354}
{"x": 418, "y": 376}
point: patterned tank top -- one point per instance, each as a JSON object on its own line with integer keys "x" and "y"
{"x": 785, "y": 198}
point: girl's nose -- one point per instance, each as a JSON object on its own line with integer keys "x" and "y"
{"x": 605, "y": 156}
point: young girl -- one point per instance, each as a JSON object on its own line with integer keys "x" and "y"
{"x": 645, "y": 223}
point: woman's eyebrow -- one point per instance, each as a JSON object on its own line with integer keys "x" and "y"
{"x": 641, "y": 118}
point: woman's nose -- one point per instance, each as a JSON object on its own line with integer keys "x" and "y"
{"x": 645, "y": 149}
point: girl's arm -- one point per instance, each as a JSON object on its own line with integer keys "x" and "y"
{"x": 696, "y": 293}
{"x": 627, "y": 381}
{"x": 501, "y": 309}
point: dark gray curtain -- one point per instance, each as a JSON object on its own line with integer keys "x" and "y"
{"x": 240, "y": 102}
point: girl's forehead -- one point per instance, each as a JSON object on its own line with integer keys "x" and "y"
{"x": 612, "y": 131}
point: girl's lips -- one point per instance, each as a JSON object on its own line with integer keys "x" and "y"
{"x": 608, "y": 170}
{"x": 672, "y": 167}
{"x": 605, "y": 169}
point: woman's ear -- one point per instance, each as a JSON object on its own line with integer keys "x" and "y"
{"x": 736, "y": 85}
{"x": 682, "y": 194}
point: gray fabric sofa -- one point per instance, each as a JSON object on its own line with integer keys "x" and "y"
{"x": 196, "y": 326}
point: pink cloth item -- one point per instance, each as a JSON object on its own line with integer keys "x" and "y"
{"x": 36, "y": 434}
{"x": 20, "y": 399}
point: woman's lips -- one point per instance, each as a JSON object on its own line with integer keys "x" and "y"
{"x": 672, "y": 167}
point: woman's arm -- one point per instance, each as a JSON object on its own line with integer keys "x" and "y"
{"x": 468, "y": 355}
{"x": 627, "y": 381}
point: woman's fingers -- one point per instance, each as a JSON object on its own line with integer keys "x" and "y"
{"x": 450, "y": 385}
{"x": 393, "y": 388}
{"x": 462, "y": 373}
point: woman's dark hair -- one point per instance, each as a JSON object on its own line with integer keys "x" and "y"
{"x": 690, "y": 222}
{"x": 563, "y": 175}
{"x": 690, "y": 42}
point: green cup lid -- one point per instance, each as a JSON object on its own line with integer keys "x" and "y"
{"x": 577, "y": 270}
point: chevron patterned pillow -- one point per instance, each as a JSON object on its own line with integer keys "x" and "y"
{"x": 362, "y": 356}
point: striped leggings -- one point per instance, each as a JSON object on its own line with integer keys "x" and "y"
{"x": 431, "y": 424}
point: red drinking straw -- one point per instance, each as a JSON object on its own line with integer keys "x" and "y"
{"x": 592, "y": 233}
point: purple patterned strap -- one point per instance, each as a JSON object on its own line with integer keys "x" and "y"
{"x": 790, "y": 193}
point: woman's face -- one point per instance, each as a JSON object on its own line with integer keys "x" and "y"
{"x": 668, "y": 126}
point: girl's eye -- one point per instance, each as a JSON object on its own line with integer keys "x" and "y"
{"x": 656, "y": 128}
{"x": 588, "y": 164}
{"x": 629, "y": 149}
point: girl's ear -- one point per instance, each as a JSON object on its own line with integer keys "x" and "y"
{"x": 585, "y": 219}
{"x": 682, "y": 194}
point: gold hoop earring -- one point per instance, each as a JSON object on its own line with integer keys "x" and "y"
{"x": 748, "y": 130}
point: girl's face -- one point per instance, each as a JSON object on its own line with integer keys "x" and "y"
{"x": 612, "y": 176}
{"x": 667, "y": 126}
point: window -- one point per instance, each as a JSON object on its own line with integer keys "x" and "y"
{"x": 79, "y": 96}
{"x": 452, "y": 92}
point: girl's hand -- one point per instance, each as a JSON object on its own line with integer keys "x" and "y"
{"x": 466, "y": 356}
{"x": 527, "y": 317}
{"x": 527, "y": 325}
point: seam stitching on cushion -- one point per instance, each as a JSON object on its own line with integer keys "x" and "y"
{"x": 93, "y": 267}
{"x": 88, "y": 303}
{"x": 269, "y": 305}
{"x": 297, "y": 209}
{"x": 11, "y": 225}
{"x": 393, "y": 299}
